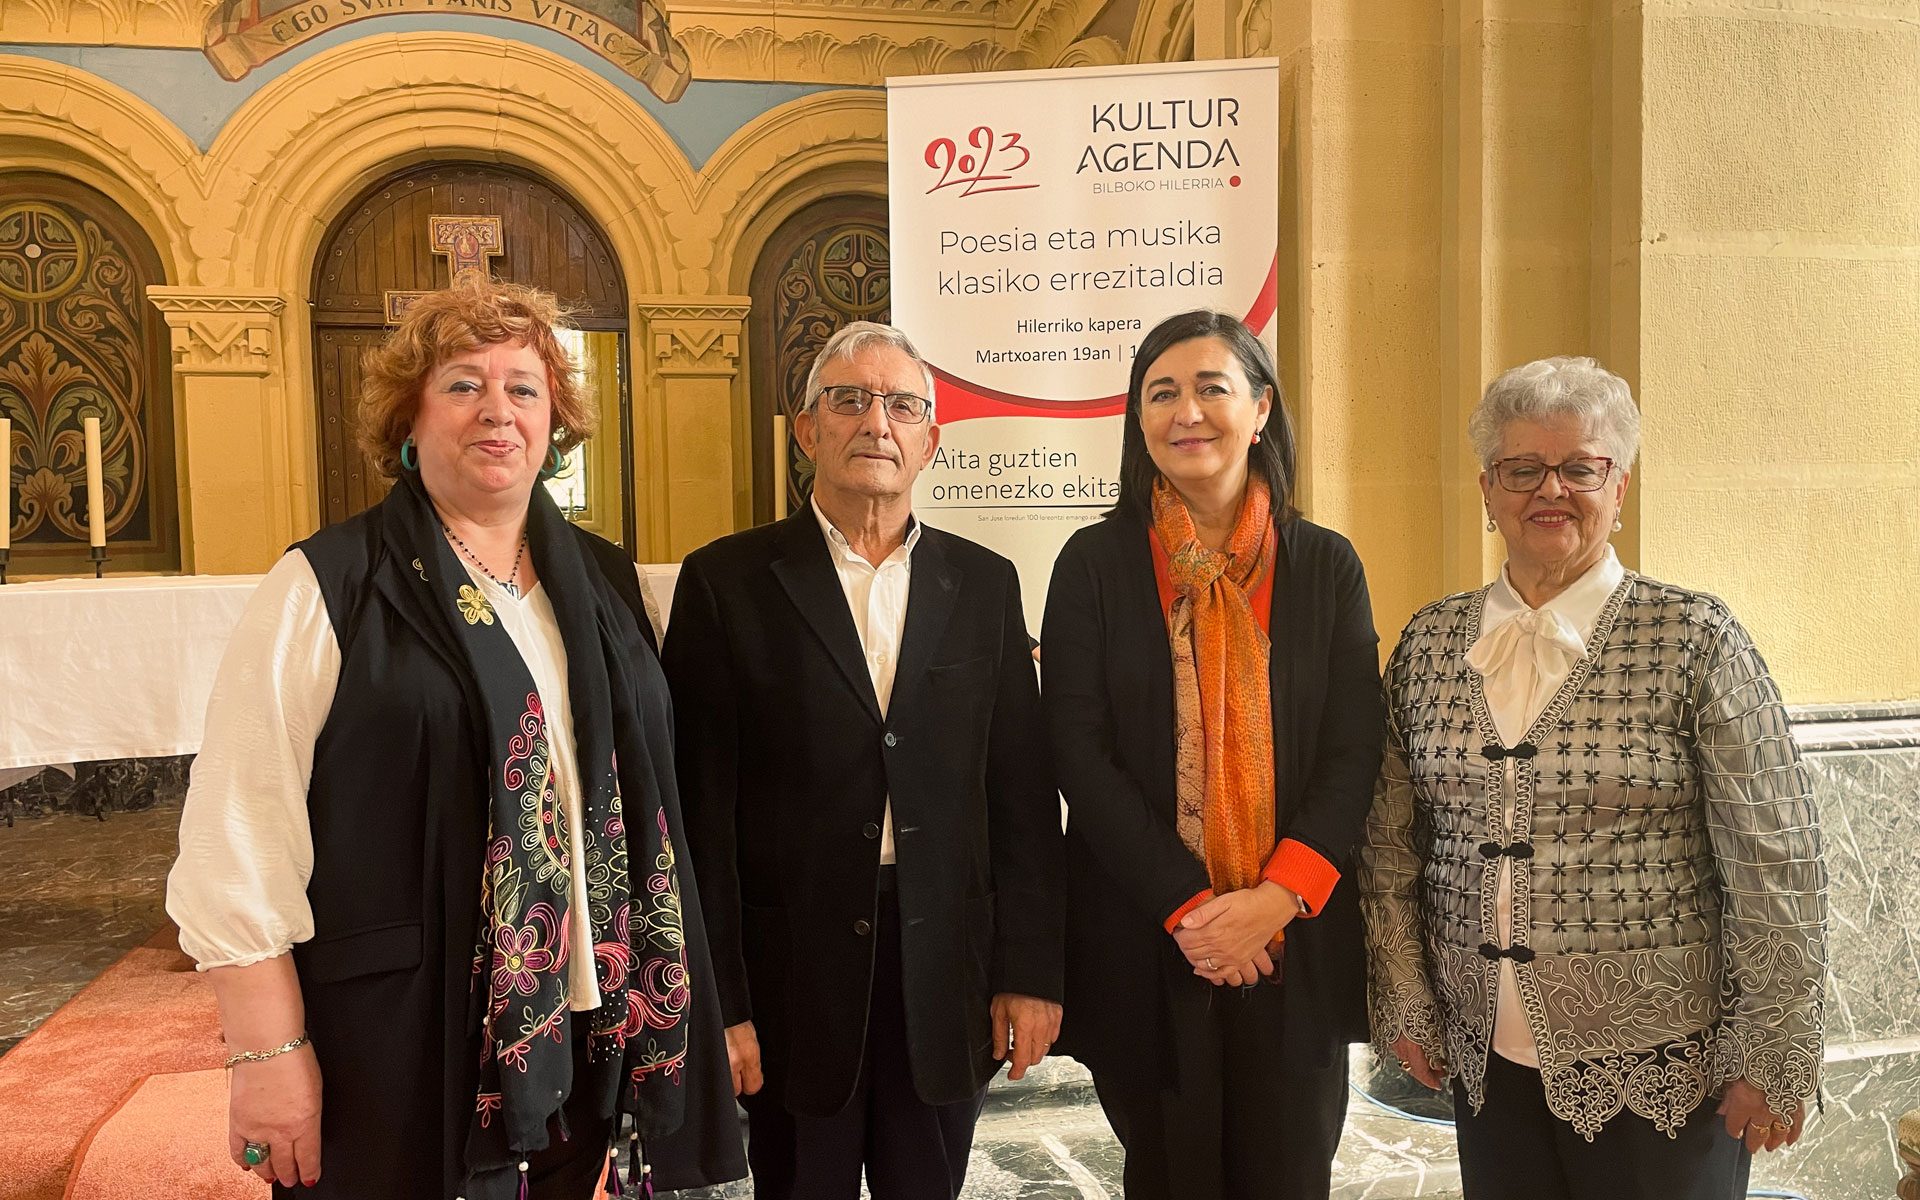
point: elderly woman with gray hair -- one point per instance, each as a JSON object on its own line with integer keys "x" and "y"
{"x": 1592, "y": 875}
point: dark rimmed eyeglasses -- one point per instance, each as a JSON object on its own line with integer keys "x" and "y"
{"x": 1525, "y": 475}
{"x": 851, "y": 401}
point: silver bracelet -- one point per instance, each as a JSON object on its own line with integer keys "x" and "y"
{"x": 264, "y": 1055}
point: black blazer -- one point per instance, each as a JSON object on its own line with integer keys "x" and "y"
{"x": 1109, "y": 706}
{"x": 785, "y": 768}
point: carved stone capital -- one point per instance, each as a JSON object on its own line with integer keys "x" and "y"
{"x": 693, "y": 335}
{"x": 221, "y": 332}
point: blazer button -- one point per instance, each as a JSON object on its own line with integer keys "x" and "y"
{"x": 891, "y": 740}
{"x": 870, "y": 829}
{"x": 863, "y": 927}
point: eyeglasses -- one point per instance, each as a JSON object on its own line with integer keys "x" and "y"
{"x": 851, "y": 401}
{"x": 1525, "y": 475}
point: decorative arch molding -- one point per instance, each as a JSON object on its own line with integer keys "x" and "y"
{"x": 1051, "y": 29}
{"x": 827, "y": 144}
{"x": 1256, "y": 30}
{"x": 1093, "y": 52}
{"x": 68, "y": 122}
{"x": 1162, "y": 32}
{"x": 302, "y": 148}
{"x": 289, "y": 170}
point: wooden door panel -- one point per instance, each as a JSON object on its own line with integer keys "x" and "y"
{"x": 826, "y": 266}
{"x": 347, "y": 483}
{"x": 79, "y": 338}
{"x": 380, "y": 244}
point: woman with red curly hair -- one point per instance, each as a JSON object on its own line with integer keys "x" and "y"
{"x": 429, "y": 859}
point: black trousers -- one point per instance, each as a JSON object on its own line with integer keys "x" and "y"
{"x": 1516, "y": 1149}
{"x": 909, "y": 1149}
{"x": 1248, "y": 1119}
{"x": 577, "y": 1151}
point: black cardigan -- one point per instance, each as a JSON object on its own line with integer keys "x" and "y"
{"x": 1108, "y": 697}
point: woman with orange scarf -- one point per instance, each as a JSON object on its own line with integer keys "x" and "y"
{"x": 1211, "y": 681}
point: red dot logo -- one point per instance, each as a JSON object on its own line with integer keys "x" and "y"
{"x": 1233, "y": 181}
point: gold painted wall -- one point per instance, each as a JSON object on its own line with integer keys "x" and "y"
{"x": 1718, "y": 198}
{"x": 1780, "y": 329}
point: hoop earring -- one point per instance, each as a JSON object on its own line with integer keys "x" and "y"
{"x": 554, "y": 462}
{"x": 409, "y": 457}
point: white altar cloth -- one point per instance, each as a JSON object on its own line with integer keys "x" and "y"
{"x": 122, "y": 668}
{"x": 111, "y": 668}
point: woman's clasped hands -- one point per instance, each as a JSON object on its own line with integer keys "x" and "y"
{"x": 1226, "y": 939}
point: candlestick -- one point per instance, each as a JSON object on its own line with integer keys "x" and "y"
{"x": 779, "y": 467}
{"x": 6, "y": 491}
{"x": 99, "y": 556}
{"x": 96, "y": 503}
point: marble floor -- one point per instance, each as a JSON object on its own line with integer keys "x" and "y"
{"x": 75, "y": 894}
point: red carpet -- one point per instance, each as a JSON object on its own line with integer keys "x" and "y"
{"x": 79, "y": 1083}
{"x": 125, "y": 1081}
{"x": 173, "y": 1128}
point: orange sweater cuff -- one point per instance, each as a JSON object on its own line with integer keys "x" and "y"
{"x": 1179, "y": 914}
{"x": 1301, "y": 870}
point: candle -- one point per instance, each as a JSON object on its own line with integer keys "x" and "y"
{"x": 6, "y": 484}
{"x": 96, "y": 504}
{"x": 779, "y": 467}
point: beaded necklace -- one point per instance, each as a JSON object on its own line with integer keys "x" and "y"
{"x": 510, "y": 583}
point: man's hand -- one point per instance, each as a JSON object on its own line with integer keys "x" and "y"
{"x": 1026, "y": 1023}
{"x": 1414, "y": 1059}
{"x": 743, "y": 1058}
{"x": 1222, "y": 937}
{"x": 1750, "y": 1120}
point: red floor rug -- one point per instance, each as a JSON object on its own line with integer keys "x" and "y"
{"x": 171, "y": 1131}
{"x": 62, "y": 1088}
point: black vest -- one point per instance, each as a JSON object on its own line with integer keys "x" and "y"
{"x": 398, "y": 809}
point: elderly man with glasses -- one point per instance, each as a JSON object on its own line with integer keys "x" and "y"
{"x": 873, "y": 825}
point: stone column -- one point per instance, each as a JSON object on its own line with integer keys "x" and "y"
{"x": 692, "y": 456}
{"x": 235, "y": 504}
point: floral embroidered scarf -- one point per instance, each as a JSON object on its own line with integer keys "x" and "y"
{"x": 1223, "y": 723}
{"x": 520, "y": 982}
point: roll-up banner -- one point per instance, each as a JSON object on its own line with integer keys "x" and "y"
{"x": 1042, "y": 223}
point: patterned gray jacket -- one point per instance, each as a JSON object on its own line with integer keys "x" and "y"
{"x": 1669, "y": 930}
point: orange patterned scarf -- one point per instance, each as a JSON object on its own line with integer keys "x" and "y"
{"x": 1223, "y": 722}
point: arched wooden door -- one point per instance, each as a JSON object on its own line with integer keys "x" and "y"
{"x": 825, "y": 266}
{"x": 79, "y": 338}
{"x": 381, "y": 244}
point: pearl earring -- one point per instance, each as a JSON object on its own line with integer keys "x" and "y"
{"x": 1256, "y": 437}
{"x": 1490, "y": 525}
{"x": 1616, "y": 525}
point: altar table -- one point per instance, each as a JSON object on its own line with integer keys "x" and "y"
{"x": 95, "y": 669}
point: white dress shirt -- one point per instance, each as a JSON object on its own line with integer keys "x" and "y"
{"x": 239, "y": 888}
{"x": 877, "y": 597}
{"x": 1523, "y": 656}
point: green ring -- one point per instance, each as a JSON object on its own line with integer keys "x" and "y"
{"x": 255, "y": 1155}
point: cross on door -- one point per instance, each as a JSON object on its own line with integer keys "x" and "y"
{"x": 467, "y": 243}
